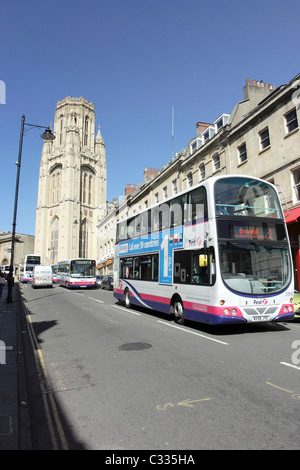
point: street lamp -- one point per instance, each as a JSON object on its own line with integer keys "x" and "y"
{"x": 47, "y": 135}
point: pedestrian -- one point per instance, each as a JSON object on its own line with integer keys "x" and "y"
{"x": 2, "y": 283}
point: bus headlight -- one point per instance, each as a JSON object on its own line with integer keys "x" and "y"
{"x": 230, "y": 311}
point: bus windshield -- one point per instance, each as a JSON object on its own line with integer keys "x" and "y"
{"x": 29, "y": 268}
{"x": 242, "y": 196}
{"x": 255, "y": 268}
{"x": 33, "y": 259}
{"x": 83, "y": 268}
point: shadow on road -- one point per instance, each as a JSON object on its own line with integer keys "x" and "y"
{"x": 50, "y": 427}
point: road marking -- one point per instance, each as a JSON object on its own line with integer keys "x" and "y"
{"x": 280, "y": 388}
{"x": 194, "y": 333}
{"x": 97, "y": 300}
{"x": 290, "y": 365}
{"x": 164, "y": 407}
{"x": 295, "y": 396}
{"x": 187, "y": 403}
{"x": 126, "y": 310}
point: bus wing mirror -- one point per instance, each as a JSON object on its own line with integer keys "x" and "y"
{"x": 203, "y": 261}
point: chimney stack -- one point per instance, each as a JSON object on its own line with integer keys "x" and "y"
{"x": 201, "y": 126}
{"x": 149, "y": 174}
{"x": 130, "y": 189}
{"x": 260, "y": 84}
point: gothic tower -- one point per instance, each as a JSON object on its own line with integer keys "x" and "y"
{"x": 72, "y": 185}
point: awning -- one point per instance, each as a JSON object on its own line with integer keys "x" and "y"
{"x": 293, "y": 215}
{"x": 106, "y": 263}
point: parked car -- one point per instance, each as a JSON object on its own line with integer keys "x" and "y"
{"x": 99, "y": 280}
{"x": 297, "y": 304}
{"x": 107, "y": 282}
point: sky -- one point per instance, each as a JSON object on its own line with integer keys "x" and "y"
{"x": 136, "y": 60}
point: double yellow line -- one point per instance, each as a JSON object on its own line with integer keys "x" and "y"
{"x": 53, "y": 420}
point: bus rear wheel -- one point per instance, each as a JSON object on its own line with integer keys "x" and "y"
{"x": 178, "y": 312}
{"x": 127, "y": 301}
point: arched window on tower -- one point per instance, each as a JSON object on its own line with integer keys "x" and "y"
{"x": 54, "y": 234}
{"x": 90, "y": 189}
{"x": 61, "y": 129}
{"x": 87, "y": 185}
{"x": 84, "y": 188}
{"x": 83, "y": 239}
{"x": 55, "y": 185}
{"x": 73, "y": 119}
{"x": 86, "y": 131}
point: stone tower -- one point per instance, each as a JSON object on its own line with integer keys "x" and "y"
{"x": 72, "y": 185}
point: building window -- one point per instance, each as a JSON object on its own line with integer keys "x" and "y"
{"x": 55, "y": 184}
{"x": 202, "y": 172}
{"x": 296, "y": 183}
{"x": 87, "y": 186}
{"x": 61, "y": 130}
{"x": 90, "y": 189}
{"x": 83, "y": 240}
{"x": 165, "y": 192}
{"x": 86, "y": 131}
{"x": 264, "y": 138}
{"x": 216, "y": 162}
{"x": 84, "y": 188}
{"x": 174, "y": 184}
{"x": 208, "y": 133}
{"x": 54, "y": 236}
{"x": 205, "y": 136}
{"x": 242, "y": 153}
{"x": 221, "y": 121}
{"x": 291, "y": 120}
{"x": 196, "y": 144}
{"x": 190, "y": 180}
{"x": 156, "y": 198}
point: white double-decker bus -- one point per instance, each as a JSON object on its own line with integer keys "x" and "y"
{"x": 77, "y": 273}
{"x": 26, "y": 270}
{"x": 216, "y": 253}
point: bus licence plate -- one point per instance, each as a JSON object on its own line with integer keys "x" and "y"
{"x": 261, "y": 318}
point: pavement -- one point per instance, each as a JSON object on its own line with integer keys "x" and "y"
{"x": 14, "y": 410}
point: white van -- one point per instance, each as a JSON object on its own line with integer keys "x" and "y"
{"x": 42, "y": 276}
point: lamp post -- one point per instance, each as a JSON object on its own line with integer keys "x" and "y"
{"x": 47, "y": 135}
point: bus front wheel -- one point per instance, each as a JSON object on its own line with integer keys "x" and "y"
{"x": 178, "y": 312}
{"x": 127, "y": 301}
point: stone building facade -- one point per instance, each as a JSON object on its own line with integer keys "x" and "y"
{"x": 259, "y": 138}
{"x": 106, "y": 239}
{"x": 24, "y": 245}
{"x": 106, "y": 227}
{"x": 72, "y": 185}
